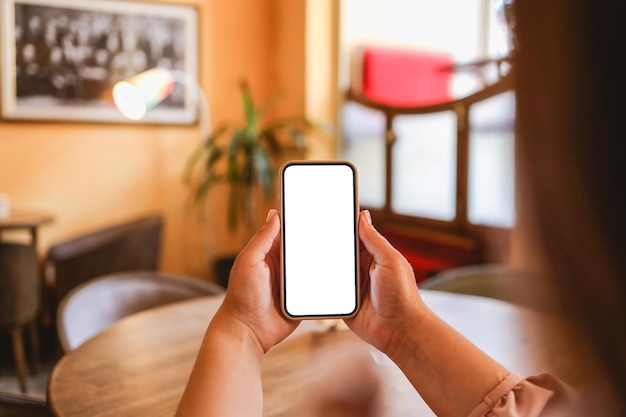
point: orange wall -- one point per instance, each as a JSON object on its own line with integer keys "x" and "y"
{"x": 91, "y": 175}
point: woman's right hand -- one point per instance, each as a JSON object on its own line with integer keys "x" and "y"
{"x": 390, "y": 300}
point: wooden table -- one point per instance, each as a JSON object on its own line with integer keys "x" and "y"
{"x": 29, "y": 221}
{"x": 139, "y": 366}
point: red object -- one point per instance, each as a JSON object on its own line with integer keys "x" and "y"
{"x": 424, "y": 266}
{"x": 402, "y": 77}
{"x": 427, "y": 257}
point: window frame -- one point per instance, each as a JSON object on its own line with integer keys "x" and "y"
{"x": 480, "y": 242}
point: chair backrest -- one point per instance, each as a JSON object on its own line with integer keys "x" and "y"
{"x": 23, "y": 405}
{"x": 96, "y": 304}
{"x": 493, "y": 281}
{"x": 19, "y": 284}
{"x": 132, "y": 245}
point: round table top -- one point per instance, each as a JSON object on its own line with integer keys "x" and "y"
{"x": 24, "y": 219}
{"x": 140, "y": 365}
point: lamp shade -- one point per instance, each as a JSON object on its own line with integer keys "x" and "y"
{"x": 142, "y": 92}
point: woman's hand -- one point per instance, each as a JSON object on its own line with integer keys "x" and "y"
{"x": 440, "y": 363}
{"x": 247, "y": 324}
{"x": 252, "y": 300}
{"x": 390, "y": 299}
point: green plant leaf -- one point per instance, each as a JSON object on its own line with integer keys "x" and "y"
{"x": 191, "y": 163}
{"x": 200, "y": 194}
{"x": 216, "y": 134}
{"x": 215, "y": 155}
{"x": 250, "y": 113}
{"x": 270, "y": 140}
{"x": 200, "y": 152}
{"x": 244, "y": 155}
{"x": 287, "y": 122}
{"x": 234, "y": 206}
{"x": 299, "y": 138}
{"x": 233, "y": 172}
{"x": 210, "y": 169}
{"x": 265, "y": 108}
{"x": 264, "y": 172}
{"x": 237, "y": 142}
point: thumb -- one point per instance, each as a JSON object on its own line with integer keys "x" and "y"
{"x": 261, "y": 243}
{"x": 379, "y": 248}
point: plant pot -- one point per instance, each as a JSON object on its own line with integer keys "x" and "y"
{"x": 222, "y": 268}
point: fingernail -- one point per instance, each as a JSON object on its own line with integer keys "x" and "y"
{"x": 270, "y": 215}
{"x": 368, "y": 216}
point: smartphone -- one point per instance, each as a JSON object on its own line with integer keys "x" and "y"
{"x": 319, "y": 239}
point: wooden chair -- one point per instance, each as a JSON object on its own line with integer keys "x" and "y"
{"x": 493, "y": 281}
{"x": 131, "y": 245}
{"x": 96, "y": 304}
{"x": 13, "y": 404}
{"x": 19, "y": 300}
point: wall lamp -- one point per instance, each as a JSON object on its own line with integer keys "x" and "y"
{"x": 137, "y": 95}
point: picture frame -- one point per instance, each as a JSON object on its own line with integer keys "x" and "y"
{"x": 61, "y": 58}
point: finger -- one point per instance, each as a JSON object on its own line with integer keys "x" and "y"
{"x": 378, "y": 247}
{"x": 260, "y": 245}
{"x": 273, "y": 259}
{"x": 274, "y": 253}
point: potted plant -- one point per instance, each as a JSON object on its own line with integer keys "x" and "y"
{"x": 245, "y": 156}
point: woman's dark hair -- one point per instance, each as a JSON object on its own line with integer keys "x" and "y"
{"x": 570, "y": 122}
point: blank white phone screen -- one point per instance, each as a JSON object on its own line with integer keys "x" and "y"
{"x": 319, "y": 239}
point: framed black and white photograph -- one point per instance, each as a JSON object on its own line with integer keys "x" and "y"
{"x": 61, "y": 58}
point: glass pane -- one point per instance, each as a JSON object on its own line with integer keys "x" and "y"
{"x": 500, "y": 36}
{"x": 424, "y": 166}
{"x": 491, "y": 156}
{"x": 364, "y": 145}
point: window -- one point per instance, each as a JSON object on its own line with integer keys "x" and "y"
{"x": 490, "y": 194}
{"x": 424, "y": 166}
{"x": 440, "y": 167}
{"x": 364, "y": 144}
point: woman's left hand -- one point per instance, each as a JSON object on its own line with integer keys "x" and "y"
{"x": 253, "y": 295}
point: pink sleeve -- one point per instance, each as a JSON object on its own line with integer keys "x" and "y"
{"x": 541, "y": 395}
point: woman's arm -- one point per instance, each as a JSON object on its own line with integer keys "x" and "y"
{"x": 451, "y": 374}
{"x": 226, "y": 378}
